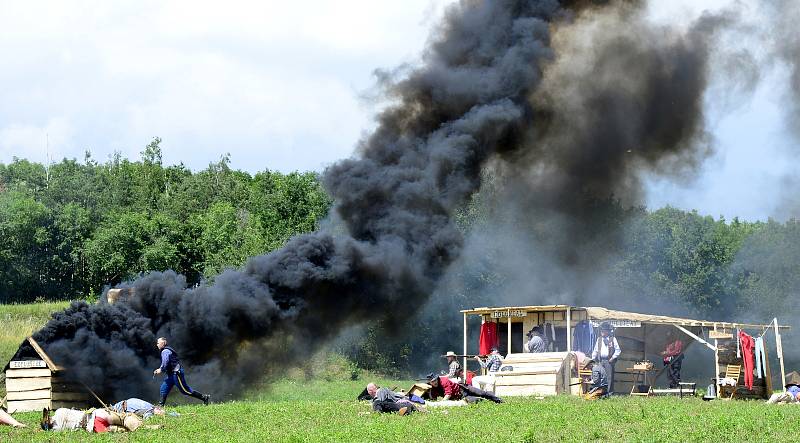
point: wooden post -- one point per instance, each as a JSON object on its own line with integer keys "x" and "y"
{"x": 509, "y": 331}
{"x": 716, "y": 364}
{"x": 465, "y": 346}
{"x": 779, "y": 348}
{"x": 569, "y": 330}
{"x": 767, "y": 371}
{"x": 644, "y": 340}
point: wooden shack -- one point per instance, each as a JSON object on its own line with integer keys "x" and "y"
{"x": 641, "y": 337}
{"x": 34, "y": 381}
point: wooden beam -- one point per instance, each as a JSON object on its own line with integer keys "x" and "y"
{"x": 509, "y": 334}
{"x": 28, "y": 405}
{"x": 43, "y": 354}
{"x": 465, "y": 348}
{"x": 27, "y": 384}
{"x": 691, "y": 334}
{"x": 779, "y": 350}
{"x": 569, "y": 331}
{"x": 716, "y": 365}
{"x": 36, "y": 394}
{"x": 24, "y": 373}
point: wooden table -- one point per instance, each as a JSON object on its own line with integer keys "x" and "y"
{"x": 641, "y": 376}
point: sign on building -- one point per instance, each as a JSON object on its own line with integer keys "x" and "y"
{"x": 509, "y": 313}
{"x": 618, "y": 323}
{"x": 27, "y": 364}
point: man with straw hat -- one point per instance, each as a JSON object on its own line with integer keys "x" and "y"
{"x": 453, "y": 367}
{"x": 792, "y": 393}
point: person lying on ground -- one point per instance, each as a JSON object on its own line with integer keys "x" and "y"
{"x": 7, "y": 419}
{"x": 98, "y": 420}
{"x": 372, "y": 389}
{"x": 792, "y": 393}
{"x": 143, "y": 409}
{"x": 599, "y": 383}
{"x": 384, "y": 400}
{"x": 442, "y": 386}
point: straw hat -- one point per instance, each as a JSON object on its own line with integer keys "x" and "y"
{"x": 450, "y": 354}
{"x": 792, "y": 378}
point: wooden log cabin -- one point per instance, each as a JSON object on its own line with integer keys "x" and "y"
{"x": 34, "y": 381}
{"x": 641, "y": 337}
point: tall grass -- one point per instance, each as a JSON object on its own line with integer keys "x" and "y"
{"x": 18, "y": 322}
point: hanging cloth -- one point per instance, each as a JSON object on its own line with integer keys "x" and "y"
{"x": 583, "y": 337}
{"x": 747, "y": 345}
{"x": 738, "y": 353}
{"x": 488, "y": 338}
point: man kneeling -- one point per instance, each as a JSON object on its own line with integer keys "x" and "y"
{"x": 599, "y": 386}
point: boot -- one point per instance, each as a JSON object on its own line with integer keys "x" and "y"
{"x": 205, "y": 398}
{"x": 163, "y": 401}
{"x": 45, "y": 424}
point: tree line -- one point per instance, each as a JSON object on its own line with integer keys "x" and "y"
{"x": 71, "y": 228}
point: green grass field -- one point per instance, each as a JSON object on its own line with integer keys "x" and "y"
{"x": 300, "y": 409}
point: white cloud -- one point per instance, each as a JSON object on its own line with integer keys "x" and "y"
{"x": 274, "y": 83}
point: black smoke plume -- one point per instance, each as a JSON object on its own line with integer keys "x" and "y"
{"x": 470, "y": 99}
{"x": 623, "y": 99}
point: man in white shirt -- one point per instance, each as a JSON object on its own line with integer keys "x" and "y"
{"x": 492, "y": 365}
{"x": 606, "y": 352}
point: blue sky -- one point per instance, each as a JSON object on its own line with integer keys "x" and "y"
{"x": 286, "y": 86}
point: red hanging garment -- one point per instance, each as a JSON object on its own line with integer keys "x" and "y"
{"x": 747, "y": 344}
{"x": 488, "y": 338}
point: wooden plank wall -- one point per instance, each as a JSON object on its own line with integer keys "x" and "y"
{"x": 34, "y": 389}
{"x": 28, "y": 389}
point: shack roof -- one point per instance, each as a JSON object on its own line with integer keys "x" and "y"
{"x": 599, "y": 313}
{"x": 40, "y": 353}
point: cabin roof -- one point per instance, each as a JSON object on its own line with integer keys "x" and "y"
{"x": 600, "y": 313}
{"x": 40, "y": 352}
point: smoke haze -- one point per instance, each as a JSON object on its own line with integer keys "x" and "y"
{"x": 468, "y": 101}
{"x": 565, "y": 106}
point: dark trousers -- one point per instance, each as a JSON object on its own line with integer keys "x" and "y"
{"x": 674, "y": 371}
{"x": 609, "y": 367}
{"x": 177, "y": 379}
{"x": 472, "y": 394}
{"x": 391, "y": 406}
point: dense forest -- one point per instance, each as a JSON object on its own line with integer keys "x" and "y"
{"x": 69, "y": 229}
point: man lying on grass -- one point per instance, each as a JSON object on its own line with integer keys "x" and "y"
{"x": 792, "y": 393}
{"x": 385, "y": 400}
{"x": 123, "y": 416}
{"x": 441, "y": 386}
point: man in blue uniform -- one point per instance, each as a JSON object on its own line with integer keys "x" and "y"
{"x": 174, "y": 374}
